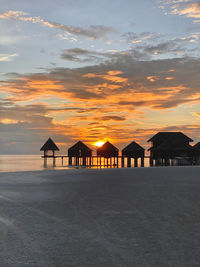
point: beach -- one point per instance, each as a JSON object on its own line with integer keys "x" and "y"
{"x": 101, "y": 218}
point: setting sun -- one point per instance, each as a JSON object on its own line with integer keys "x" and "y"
{"x": 99, "y": 143}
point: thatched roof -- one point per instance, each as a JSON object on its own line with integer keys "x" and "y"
{"x": 133, "y": 147}
{"x": 133, "y": 150}
{"x": 197, "y": 146}
{"x": 174, "y": 143}
{"x": 79, "y": 149}
{"x": 162, "y": 136}
{"x": 79, "y": 145}
{"x": 49, "y": 145}
{"x": 107, "y": 150}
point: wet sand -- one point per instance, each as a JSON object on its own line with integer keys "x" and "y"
{"x": 101, "y": 218}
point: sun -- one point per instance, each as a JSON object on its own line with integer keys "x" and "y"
{"x": 99, "y": 143}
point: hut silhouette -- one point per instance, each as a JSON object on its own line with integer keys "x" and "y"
{"x": 133, "y": 150}
{"x": 108, "y": 151}
{"x": 49, "y": 146}
{"x": 79, "y": 151}
{"x": 169, "y": 145}
{"x": 196, "y": 154}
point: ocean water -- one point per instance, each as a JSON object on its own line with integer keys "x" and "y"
{"x": 12, "y": 163}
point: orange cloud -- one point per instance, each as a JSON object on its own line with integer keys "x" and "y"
{"x": 196, "y": 114}
{"x": 98, "y": 102}
{"x": 153, "y": 78}
{"x": 187, "y": 8}
{"x": 190, "y": 10}
{"x": 112, "y": 76}
{"x": 169, "y": 78}
{"x": 9, "y": 121}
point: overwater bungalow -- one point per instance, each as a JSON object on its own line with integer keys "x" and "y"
{"x": 170, "y": 145}
{"x": 49, "y": 147}
{"x": 135, "y": 151}
{"x": 80, "y": 152}
{"x": 196, "y": 154}
{"x": 108, "y": 151}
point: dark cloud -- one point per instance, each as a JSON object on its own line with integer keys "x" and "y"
{"x": 134, "y": 38}
{"x": 112, "y": 117}
{"x": 83, "y": 55}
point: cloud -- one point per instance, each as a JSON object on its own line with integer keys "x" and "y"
{"x": 117, "y": 81}
{"x": 8, "y": 57}
{"x": 82, "y": 55}
{"x": 95, "y": 102}
{"x": 27, "y": 136}
{"x": 196, "y": 114}
{"x": 187, "y": 8}
{"x": 183, "y": 46}
{"x": 134, "y": 38}
{"x": 148, "y": 46}
{"x": 114, "y": 118}
{"x": 176, "y": 47}
{"x": 24, "y": 128}
{"x": 93, "y": 32}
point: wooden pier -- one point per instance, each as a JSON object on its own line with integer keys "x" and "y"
{"x": 93, "y": 161}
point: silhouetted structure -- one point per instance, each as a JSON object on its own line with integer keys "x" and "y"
{"x": 196, "y": 154}
{"x": 167, "y": 148}
{"x": 135, "y": 151}
{"x": 170, "y": 145}
{"x": 48, "y": 147}
{"x": 108, "y": 151}
{"x": 80, "y": 151}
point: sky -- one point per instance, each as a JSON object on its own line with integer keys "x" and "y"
{"x": 94, "y": 71}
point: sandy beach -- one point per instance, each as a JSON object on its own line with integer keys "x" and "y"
{"x": 101, "y": 218}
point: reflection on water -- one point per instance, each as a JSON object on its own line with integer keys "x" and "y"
{"x": 11, "y": 163}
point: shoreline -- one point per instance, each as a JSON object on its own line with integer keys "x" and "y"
{"x": 101, "y": 217}
{"x": 67, "y": 169}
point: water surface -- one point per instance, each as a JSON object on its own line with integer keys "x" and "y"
{"x": 12, "y": 163}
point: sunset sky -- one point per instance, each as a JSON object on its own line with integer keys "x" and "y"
{"x": 97, "y": 70}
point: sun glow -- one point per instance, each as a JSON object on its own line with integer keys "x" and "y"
{"x": 99, "y": 143}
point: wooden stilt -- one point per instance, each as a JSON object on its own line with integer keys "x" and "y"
{"x": 128, "y": 162}
{"x": 45, "y": 162}
{"x": 135, "y": 162}
{"x": 142, "y": 162}
{"x": 77, "y": 161}
{"x": 84, "y": 161}
{"x": 122, "y": 162}
{"x": 54, "y": 161}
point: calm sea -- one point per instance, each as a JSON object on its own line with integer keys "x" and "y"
{"x": 12, "y": 163}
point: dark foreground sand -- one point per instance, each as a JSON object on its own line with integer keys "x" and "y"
{"x": 101, "y": 218}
